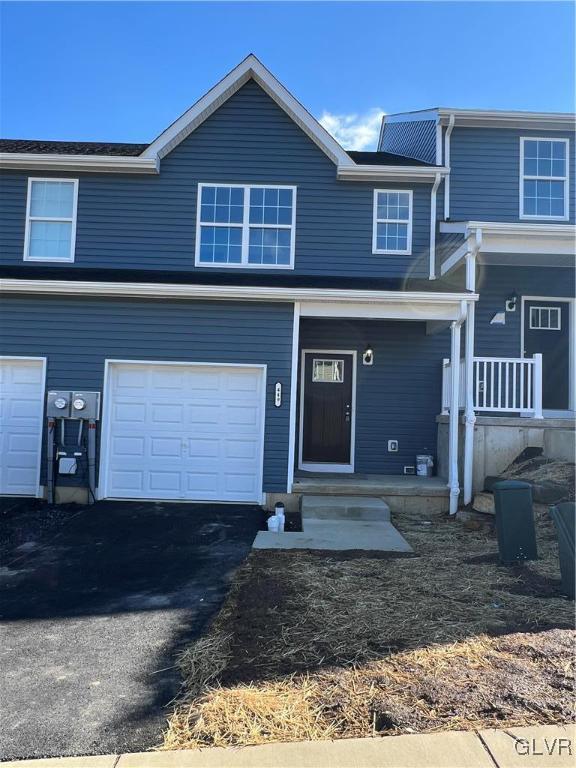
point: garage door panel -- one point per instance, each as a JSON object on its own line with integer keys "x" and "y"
{"x": 21, "y": 423}
{"x": 166, "y": 413}
{"x": 193, "y": 432}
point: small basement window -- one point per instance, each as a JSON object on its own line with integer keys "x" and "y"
{"x": 544, "y": 178}
{"x": 245, "y": 226}
{"x": 51, "y": 220}
{"x": 392, "y": 227}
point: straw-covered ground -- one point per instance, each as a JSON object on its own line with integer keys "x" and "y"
{"x": 313, "y": 646}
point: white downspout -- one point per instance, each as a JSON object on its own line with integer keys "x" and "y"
{"x": 453, "y": 482}
{"x": 447, "y": 164}
{"x": 293, "y": 391}
{"x": 435, "y": 186}
{"x": 470, "y": 415}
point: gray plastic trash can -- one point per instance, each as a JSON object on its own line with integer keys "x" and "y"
{"x": 515, "y": 521}
{"x": 564, "y": 516}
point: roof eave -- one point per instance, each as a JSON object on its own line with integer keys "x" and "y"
{"x": 75, "y": 163}
{"x": 500, "y": 119}
{"x": 391, "y": 172}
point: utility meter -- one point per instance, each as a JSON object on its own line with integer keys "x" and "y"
{"x": 79, "y": 404}
{"x": 58, "y": 404}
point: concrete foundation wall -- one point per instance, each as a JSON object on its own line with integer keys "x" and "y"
{"x": 498, "y": 441}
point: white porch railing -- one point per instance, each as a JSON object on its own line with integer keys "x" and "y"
{"x": 500, "y": 385}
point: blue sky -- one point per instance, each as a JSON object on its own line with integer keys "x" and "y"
{"x": 123, "y": 71}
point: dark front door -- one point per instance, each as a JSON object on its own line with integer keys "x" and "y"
{"x": 327, "y": 412}
{"x": 547, "y": 331}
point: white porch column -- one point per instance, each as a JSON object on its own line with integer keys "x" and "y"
{"x": 453, "y": 482}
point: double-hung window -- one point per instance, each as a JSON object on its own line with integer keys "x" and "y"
{"x": 51, "y": 220}
{"x": 392, "y": 227}
{"x": 544, "y": 178}
{"x": 245, "y": 226}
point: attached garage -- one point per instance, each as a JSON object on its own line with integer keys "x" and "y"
{"x": 183, "y": 431}
{"x": 21, "y": 423}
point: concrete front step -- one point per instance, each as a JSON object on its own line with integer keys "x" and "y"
{"x": 344, "y": 508}
{"x": 337, "y": 535}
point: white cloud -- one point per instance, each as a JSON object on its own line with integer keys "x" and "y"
{"x": 356, "y": 132}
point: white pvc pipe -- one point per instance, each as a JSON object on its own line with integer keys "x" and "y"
{"x": 447, "y": 165}
{"x": 470, "y": 415}
{"x": 453, "y": 481}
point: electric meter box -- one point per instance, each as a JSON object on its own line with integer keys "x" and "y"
{"x": 85, "y": 405}
{"x": 58, "y": 404}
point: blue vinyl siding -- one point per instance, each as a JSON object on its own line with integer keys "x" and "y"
{"x": 77, "y": 335}
{"x": 149, "y": 222}
{"x": 399, "y": 396}
{"x": 495, "y": 284}
{"x": 411, "y": 138}
{"x": 485, "y": 173}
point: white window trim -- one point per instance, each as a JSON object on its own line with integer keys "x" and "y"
{"x": 376, "y": 221}
{"x": 245, "y": 226}
{"x": 565, "y": 179}
{"x": 64, "y": 219}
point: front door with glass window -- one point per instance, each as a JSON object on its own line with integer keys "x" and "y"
{"x": 327, "y": 411}
{"x": 547, "y": 331}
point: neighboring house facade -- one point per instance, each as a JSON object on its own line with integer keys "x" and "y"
{"x": 254, "y": 302}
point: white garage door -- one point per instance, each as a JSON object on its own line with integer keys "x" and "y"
{"x": 184, "y": 432}
{"x": 21, "y": 418}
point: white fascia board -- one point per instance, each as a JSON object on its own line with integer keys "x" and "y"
{"x": 415, "y": 311}
{"x": 503, "y": 119}
{"x": 508, "y": 227}
{"x": 223, "y": 292}
{"x": 391, "y": 173}
{"x": 75, "y": 163}
{"x": 251, "y": 67}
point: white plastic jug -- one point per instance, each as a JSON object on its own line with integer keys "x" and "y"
{"x": 274, "y": 524}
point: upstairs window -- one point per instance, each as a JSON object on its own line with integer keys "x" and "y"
{"x": 544, "y": 179}
{"x": 51, "y": 220}
{"x": 245, "y": 226}
{"x": 392, "y": 230}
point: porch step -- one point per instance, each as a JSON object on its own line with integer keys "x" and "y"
{"x": 344, "y": 508}
{"x": 370, "y": 485}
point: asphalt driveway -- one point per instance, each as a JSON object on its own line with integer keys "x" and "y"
{"x": 95, "y": 602}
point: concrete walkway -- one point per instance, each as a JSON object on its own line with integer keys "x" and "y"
{"x": 340, "y": 523}
{"x": 546, "y": 746}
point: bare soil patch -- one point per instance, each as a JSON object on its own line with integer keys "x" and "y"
{"x": 318, "y": 646}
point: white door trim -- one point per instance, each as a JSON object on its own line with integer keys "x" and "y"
{"x": 102, "y": 492}
{"x": 39, "y": 488}
{"x": 571, "y": 344}
{"x": 327, "y": 467}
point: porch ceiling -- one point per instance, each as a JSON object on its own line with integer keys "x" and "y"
{"x": 438, "y": 307}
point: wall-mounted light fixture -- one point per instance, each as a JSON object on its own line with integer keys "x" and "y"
{"x": 368, "y": 356}
{"x": 511, "y": 302}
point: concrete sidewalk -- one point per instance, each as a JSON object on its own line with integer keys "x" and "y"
{"x": 546, "y": 746}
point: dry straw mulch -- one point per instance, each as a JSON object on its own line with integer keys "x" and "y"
{"x": 311, "y": 646}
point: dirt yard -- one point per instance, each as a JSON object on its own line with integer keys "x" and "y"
{"x": 312, "y": 646}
